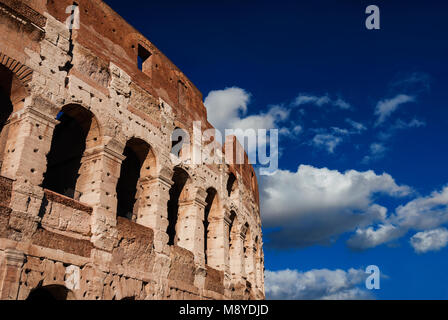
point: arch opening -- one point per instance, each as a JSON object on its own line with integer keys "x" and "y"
{"x": 231, "y": 184}
{"x": 179, "y": 138}
{"x": 12, "y": 97}
{"x": 50, "y": 293}
{"x": 76, "y": 131}
{"x": 177, "y": 194}
{"x": 138, "y": 164}
{"x": 210, "y": 212}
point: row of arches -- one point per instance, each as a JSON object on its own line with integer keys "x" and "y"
{"x": 78, "y": 131}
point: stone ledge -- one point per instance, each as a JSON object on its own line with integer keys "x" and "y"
{"x": 69, "y": 202}
{"x": 25, "y": 12}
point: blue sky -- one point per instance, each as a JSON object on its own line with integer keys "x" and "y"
{"x": 368, "y": 105}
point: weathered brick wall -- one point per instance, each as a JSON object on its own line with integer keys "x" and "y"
{"x": 77, "y": 246}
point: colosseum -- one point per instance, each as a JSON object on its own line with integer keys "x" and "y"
{"x": 92, "y": 205}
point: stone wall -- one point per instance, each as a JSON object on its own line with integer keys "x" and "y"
{"x": 80, "y": 118}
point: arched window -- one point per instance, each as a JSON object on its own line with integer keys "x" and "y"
{"x": 12, "y": 95}
{"x": 51, "y": 293}
{"x": 231, "y": 184}
{"x": 77, "y": 129}
{"x": 178, "y": 138}
{"x": 177, "y": 194}
{"x": 139, "y": 163}
{"x": 210, "y": 229}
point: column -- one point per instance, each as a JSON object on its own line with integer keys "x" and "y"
{"x": 97, "y": 183}
{"x": 29, "y": 137}
{"x": 217, "y": 242}
{"x": 10, "y": 275}
{"x": 153, "y": 210}
{"x": 237, "y": 255}
{"x": 190, "y": 226}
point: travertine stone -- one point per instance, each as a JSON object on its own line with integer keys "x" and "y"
{"x": 72, "y": 240}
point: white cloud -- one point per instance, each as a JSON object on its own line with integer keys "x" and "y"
{"x": 321, "y": 284}
{"x": 421, "y": 214}
{"x": 227, "y": 109}
{"x": 386, "y": 107}
{"x": 314, "y": 206}
{"x": 224, "y": 106}
{"x": 359, "y": 127}
{"x": 432, "y": 240}
{"x": 414, "y": 123}
{"x": 376, "y": 151}
{"x": 320, "y": 101}
{"x": 330, "y": 139}
{"x": 328, "y": 142}
{"x": 371, "y": 237}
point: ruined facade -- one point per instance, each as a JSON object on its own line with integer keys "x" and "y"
{"x": 91, "y": 204}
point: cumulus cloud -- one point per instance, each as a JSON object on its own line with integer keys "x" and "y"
{"x": 432, "y": 240}
{"x": 321, "y": 284}
{"x": 420, "y": 214}
{"x": 314, "y": 206}
{"x": 386, "y": 107}
{"x": 372, "y": 237}
{"x": 227, "y": 109}
{"x": 320, "y": 101}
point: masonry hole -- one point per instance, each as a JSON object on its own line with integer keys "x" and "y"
{"x": 144, "y": 59}
{"x": 231, "y": 184}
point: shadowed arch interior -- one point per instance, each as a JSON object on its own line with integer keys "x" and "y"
{"x": 180, "y": 179}
{"x": 210, "y": 210}
{"x": 50, "y": 293}
{"x": 12, "y": 96}
{"x": 231, "y": 184}
{"x": 76, "y": 130}
{"x": 138, "y": 163}
{"x": 6, "y": 79}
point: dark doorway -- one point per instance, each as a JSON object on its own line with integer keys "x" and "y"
{"x": 67, "y": 148}
{"x": 180, "y": 178}
{"x": 211, "y": 195}
{"x": 50, "y": 293}
{"x": 6, "y": 107}
{"x": 136, "y": 151}
{"x": 231, "y": 184}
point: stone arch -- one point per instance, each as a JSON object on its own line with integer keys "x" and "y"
{"x": 139, "y": 165}
{"x": 51, "y": 293}
{"x": 23, "y": 73}
{"x": 78, "y": 130}
{"x": 178, "y": 193}
{"x": 179, "y": 137}
{"x": 14, "y": 78}
{"x": 213, "y": 216}
{"x": 232, "y": 186}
